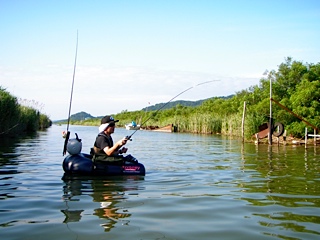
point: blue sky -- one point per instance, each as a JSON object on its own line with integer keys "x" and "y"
{"x": 134, "y": 52}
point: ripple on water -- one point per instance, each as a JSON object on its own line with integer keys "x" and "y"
{"x": 196, "y": 187}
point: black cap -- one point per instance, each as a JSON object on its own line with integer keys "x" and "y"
{"x": 108, "y": 119}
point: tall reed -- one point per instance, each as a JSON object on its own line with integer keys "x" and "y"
{"x": 198, "y": 123}
{"x": 16, "y": 118}
{"x": 231, "y": 125}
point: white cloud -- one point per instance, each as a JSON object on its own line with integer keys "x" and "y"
{"x": 100, "y": 90}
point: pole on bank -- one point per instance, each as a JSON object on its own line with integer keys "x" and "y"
{"x": 270, "y": 117}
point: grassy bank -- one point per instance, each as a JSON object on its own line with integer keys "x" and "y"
{"x": 188, "y": 120}
{"x": 16, "y": 118}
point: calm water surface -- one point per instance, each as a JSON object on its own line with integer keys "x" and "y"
{"x": 196, "y": 187}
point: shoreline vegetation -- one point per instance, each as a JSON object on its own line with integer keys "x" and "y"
{"x": 295, "y": 85}
{"x": 20, "y": 118}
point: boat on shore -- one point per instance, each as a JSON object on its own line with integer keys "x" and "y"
{"x": 132, "y": 126}
{"x": 168, "y": 128}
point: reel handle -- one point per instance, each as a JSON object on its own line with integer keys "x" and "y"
{"x": 128, "y": 138}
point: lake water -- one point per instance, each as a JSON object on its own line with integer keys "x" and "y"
{"x": 196, "y": 187}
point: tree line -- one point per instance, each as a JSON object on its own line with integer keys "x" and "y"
{"x": 295, "y": 85}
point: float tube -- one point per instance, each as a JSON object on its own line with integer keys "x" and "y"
{"x": 77, "y": 163}
{"x": 82, "y": 164}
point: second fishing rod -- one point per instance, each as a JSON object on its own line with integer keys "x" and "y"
{"x": 165, "y": 104}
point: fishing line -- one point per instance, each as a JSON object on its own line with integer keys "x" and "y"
{"x": 74, "y": 72}
{"x": 153, "y": 114}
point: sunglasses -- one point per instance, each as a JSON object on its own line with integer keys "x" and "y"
{"x": 111, "y": 125}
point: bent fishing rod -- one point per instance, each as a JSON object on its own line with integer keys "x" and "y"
{"x": 74, "y": 72}
{"x": 153, "y": 114}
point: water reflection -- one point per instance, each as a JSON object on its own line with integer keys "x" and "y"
{"x": 110, "y": 193}
{"x": 287, "y": 182}
{"x": 199, "y": 188}
{"x": 8, "y": 155}
{"x": 71, "y": 190}
{"x": 283, "y": 172}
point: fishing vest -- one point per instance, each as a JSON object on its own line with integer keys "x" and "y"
{"x": 100, "y": 155}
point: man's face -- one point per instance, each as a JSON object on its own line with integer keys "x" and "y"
{"x": 110, "y": 128}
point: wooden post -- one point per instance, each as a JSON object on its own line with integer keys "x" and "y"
{"x": 315, "y": 137}
{"x": 306, "y": 138}
{"x": 270, "y": 117}
{"x": 284, "y": 137}
{"x": 243, "y": 119}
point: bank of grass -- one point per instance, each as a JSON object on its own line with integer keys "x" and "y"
{"x": 191, "y": 122}
{"x": 17, "y": 119}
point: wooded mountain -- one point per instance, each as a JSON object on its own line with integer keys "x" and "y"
{"x": 180, "y": 102}
{"x": 77, "y": 117}
{"x": 84, "y": 116}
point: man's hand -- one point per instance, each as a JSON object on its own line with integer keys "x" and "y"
{"x": 122, "y": 142}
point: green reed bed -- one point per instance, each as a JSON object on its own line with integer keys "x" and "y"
{"x": 194, "y": 122}
{"x": 198, "y": 123}
{"x": 231, "y": 125}
{"x": 16, "y": 118}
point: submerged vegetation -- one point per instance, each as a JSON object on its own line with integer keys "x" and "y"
{"x": 295, "y": 85}
{"x": 23, "y": 117}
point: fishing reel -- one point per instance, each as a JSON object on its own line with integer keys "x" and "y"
{"x": 128, "y": 138}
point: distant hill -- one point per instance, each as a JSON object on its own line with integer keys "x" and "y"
{"x": 180, "y": 102}
{"x": 77, "y": 117}
{"x": 84, "y": 116}
{"x": 81, "y": 116}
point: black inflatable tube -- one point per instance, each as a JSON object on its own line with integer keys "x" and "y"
{"x": 83, "y": 165}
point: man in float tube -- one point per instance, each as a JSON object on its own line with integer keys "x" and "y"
{"x": 104, "y": 142}
{"x": 104, "y": 149}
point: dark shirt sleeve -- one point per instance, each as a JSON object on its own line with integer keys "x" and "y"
{"x": 102, "y": 142}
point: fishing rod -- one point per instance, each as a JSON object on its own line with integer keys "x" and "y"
{"x": 74, "y": 72}
{"x": 153, "y": 114}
